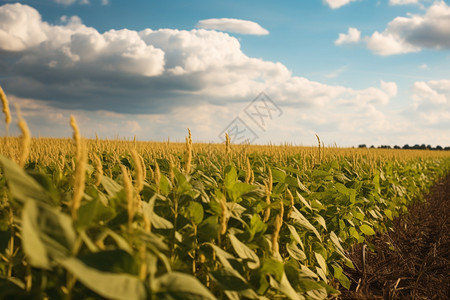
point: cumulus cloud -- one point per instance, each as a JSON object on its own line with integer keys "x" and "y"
{"x": 389, "y": 87}
{"x": 431, "y": 103}
{"x": 403, "y": 2}
{"x": 168, "y": 78}
{"x": 233, "y": 25}
{"x": 65, "y": 2}
{"x": 415, "y": 32}
{"x": 353, "y": 36}
{"x": 335, "y": 4}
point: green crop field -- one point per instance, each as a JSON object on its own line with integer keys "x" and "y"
{"x": 116, "y": 219}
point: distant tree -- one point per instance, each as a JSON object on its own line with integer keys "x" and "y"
{"x": 416, "y": 146}
{"x": 429, "y": 147}
{"x": 362, "y": 146}
{"x": 439, "y": 148}
{"x": 406, "y": 147}
{"x": 397, "y": 147}
{"x": 371, "y": 147}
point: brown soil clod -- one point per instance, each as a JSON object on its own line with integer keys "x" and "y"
{"x": 411, "y": 262}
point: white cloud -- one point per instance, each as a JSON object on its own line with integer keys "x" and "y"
{"x": 335, "y": 4}
{"x": 233, "y": 25}
{"x": 70, "y": 2}
{"x": 74, "y": 45}
{"x": 353, "y": 36}
{"x": 389, "y": 87}
{"x": 65, "y": 2}
{"x": 431, "y": 105}
{"x": 423, "y": 67}
{"x": 403, "y": 2}
{"x": 415, "y": 32}
{"x": 21, "y": 27}
{"x": 158, "y": 82}
{"x": 434, "y": 92}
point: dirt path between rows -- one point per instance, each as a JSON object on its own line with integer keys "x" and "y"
{"x": 413, "y": 262}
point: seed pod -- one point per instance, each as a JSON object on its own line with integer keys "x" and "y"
{"x": 5, "y": 108}
{"x": 291, "y": 204}
{"x": 275, "y": 235}
{"x": 26, "y": 138}
{"x": 129, "y": 194}
{"x": 139, "y": 173}
{"x": 248, "y": 172}
{"x": 188, "y": 156}
{"x": 80, "y": 168}
{"x": 223, "y": 216}
{"x": 157, "y": 176}
{"x": 267, "y": 211}
{"x": 98, "y": 169}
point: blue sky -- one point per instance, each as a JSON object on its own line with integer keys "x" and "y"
{"x": 352, "y": 71}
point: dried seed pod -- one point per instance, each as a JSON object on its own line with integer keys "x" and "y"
{"x": 98, "y": 169}
{"x": 5, "y": 108}
{"x": 223, "y": 216}
{"x": 26, "y": 138}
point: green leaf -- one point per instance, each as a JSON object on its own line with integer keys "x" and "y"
{"x": 273, "y": 267}
{"x": 223, "y": 256}
{"x": 194, "y": 212}
{"x": 321, "y": 221}
{"x": 366, "y": 229}
{"x": 86, "y": 214}
{"x": 230, "y": 279}
{"x": 295, "y": 252}
{"x": 256, "y": 226}
{"x": 183, "y": 186}
{"x": 120, "y": 241}
{"x": 307, "y": 284}
{"x": 303, "y": 200}
{"x": 321, "y": 261}
{"x": 230, "y": 177}
{"x": 278, "y": 175}
{"x": 45, "y": 232}
{"x": 286, "y": 288}
{"x": 239, "y": 189}
{"x": 111, "y": 187}
{"x": 353, "y": 232}
{"x": 114, "y": 261}
{"x": 339, "y": 275}
{"x": 157, "y": 221}
{"x": 244, "y": 252}
{"x": 320, "y": 174}
{"x": 109, "y": 285}
{"x": 22, "y": 186}
{"x": 295, "y": 235}
{"x": 177, "y": 286}
{"x": 302, "y": 221}
{"x": 33, "y": 247}
{"x": 337, "y": 244}
{"x": 342, "y": 188}
{"x": 164, "y": 185}
{"x": 388, "y": 214}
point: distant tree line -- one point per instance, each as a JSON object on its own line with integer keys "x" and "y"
{"x": 416, "y": 146}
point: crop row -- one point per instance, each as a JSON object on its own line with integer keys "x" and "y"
{"x": 196, "y": 225}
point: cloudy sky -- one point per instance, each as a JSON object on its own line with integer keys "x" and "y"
{"x": 352, "y": 71}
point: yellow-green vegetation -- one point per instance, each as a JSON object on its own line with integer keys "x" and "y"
{"x": 157, "y": 220}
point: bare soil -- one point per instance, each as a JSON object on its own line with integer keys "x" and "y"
{"x": 413, "y": 261}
